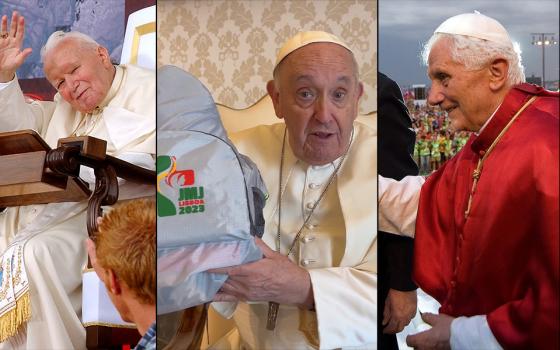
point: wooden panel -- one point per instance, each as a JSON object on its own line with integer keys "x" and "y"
{"x": 23, "y": 179}
{"x": 99, "y": 337}
{"x": 21, "y": 168}
{"x": 89, "y": 145}
{"x": 21, "y": 141}
{"x": 52, "y": 189}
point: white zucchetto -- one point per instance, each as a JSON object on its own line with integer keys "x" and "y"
{"x": 305, "y": 38}
{"x": 476, "y": 25}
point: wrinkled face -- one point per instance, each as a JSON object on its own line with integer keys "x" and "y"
{"x": 81, "y": 74}
{"x": 463, "y": 94}
{"x": 316, "y": 92}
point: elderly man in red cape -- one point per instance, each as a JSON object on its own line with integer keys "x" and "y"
{"x": 486, "y": 229}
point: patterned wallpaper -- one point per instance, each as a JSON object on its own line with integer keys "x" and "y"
{"x": 231, "y": 45}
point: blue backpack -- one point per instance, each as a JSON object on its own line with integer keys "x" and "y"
{"x": 209, "y": 197}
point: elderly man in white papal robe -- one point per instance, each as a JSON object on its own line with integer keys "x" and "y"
{"x": 319, "y": 168}
{"x": 40, "y": 303}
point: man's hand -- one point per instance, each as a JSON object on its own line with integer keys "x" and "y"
{"x": 273, "y": 278}
{"x": 11, "y": 55}
{"x": 438, "y": 337}
{"x": 400, "y": 308}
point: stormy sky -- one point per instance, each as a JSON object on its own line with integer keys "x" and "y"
{"x": 405, "y": 24}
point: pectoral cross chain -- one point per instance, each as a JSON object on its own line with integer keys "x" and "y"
{"x": 272, "y": 315}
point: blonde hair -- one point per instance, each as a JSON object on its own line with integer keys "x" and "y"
{"x": 126, "y": 244}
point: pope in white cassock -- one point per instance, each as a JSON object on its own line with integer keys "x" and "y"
{"x": 40, "y": 292}
{"x": 319, "y": 244}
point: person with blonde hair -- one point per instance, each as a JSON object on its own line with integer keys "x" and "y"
{"x": 123, "y": 256}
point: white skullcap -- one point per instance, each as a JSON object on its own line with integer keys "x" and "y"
{"x": 476, "y": 25}
{"x": 305, "y": 38}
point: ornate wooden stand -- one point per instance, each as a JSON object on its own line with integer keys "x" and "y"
{"x": 32, "y": 173}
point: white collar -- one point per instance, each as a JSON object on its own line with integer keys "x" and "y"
{"x": 487, "y": 121}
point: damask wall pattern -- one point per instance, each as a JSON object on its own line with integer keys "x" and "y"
{"x": 231, "y": 45}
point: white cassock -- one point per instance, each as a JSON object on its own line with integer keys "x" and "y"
{"x": 338, "y": 247}
{"x": 52, "y": 236}
{"x": 398, "y": 204}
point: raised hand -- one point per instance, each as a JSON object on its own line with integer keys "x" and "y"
{"x": 11, "y": 41}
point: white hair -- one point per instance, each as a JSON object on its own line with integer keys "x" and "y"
{"x": 474, "y": 53}
{"x": 58, "y": 37}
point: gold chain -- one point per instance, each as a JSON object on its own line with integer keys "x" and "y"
{"x": 478, "y": 171}
{"x": 280, "y": 192}
{"x": 273, "y": 307}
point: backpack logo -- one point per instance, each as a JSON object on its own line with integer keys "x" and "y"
{"x": 176, "y": 189}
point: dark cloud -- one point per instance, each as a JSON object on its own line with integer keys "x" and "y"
{"x": 405, "y": 24}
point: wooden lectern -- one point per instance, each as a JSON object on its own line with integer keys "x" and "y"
{"x": 33, "y": 173}
{"x": 25, "y": 177}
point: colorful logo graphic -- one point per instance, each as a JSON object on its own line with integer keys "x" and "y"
{"x": 176, "y": 190}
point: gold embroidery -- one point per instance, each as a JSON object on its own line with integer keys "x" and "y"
{"x": 11, "y": 321}
{"x": 105, "y": 324}
{"x": 7, "y": 278}
{"x": 17, "y": 276}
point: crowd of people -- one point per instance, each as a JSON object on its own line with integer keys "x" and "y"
{"x": 435, "y": 141}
